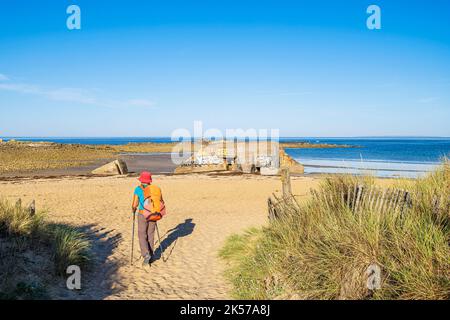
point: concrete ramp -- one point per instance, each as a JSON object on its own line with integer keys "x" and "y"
{"x": 116, "y": 167}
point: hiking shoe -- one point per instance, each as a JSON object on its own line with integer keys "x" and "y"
{"x": 147, "y": 259}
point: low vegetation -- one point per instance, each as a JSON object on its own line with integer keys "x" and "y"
{"x": 22, "y": 157}
{"x": 321, "y": 249}
{"x": 33, "y": 251}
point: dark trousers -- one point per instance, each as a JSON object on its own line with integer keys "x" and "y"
{"x": 146, "y": 232}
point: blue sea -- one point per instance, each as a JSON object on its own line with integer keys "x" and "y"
{"x": 383, "y": 157}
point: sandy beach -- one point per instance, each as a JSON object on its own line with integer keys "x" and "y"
{"x": 203, "y": 211}
{"x": 301, "y": 152}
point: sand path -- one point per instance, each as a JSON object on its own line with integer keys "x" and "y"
{"x": 203, "y": 212}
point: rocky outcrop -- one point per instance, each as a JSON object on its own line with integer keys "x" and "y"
{"x": 287, "y": 161}
{"x": 200, "y": 168}
{"x": 117, "y": 167}
{"x": 250, "y": 157}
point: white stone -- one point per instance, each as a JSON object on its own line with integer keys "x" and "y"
{"x": 247, "y": 167}
{"x": 269, "y": 171}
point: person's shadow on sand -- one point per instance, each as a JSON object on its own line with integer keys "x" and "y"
{"x": 171, "y": 237}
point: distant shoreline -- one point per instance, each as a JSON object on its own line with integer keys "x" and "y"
{"x": 43, "y": 157}
{"x": 168, "y": 138}
{"x": 284, "y": 142}
{"x": 40, "y": 158}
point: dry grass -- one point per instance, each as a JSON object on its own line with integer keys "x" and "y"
{"x": 323, "y": 251}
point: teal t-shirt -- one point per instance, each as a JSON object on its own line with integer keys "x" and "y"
{"x": 139, "y": 192}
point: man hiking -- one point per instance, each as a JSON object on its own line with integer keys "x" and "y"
{"x": 147, "y": 200}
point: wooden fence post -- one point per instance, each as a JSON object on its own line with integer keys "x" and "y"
{"x": 271, "y": 208}
{"x": 286, "y": 182}
{"x": 32, "y": 208}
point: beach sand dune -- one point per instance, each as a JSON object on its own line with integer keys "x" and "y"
{"x": 203, "y": 212}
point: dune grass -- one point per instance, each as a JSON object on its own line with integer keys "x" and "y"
{"x": 70, "y": 247}
{"x": 323, "y": 251}
{"x": 16, "y": 220}
{"x": 28, "y": 239}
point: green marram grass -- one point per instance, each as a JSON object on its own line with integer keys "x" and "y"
{"x": 71, "y": 247}
{"x": 16, "y": 220}
{"x": 21, "y": 232}
{"x": 323, "y": 251}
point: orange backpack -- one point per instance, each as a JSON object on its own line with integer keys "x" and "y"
{"x": 154, "y": 207}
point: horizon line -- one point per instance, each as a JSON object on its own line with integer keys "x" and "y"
{"x": 281, "y": 137}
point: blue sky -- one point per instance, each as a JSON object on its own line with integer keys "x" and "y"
{"x": 145, "y": 68}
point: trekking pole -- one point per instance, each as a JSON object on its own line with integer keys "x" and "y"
{"x": 132, "y": 239}
{"x": 160, "y": 244}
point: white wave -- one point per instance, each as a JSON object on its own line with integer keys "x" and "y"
{"x": 377, "y": 168}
